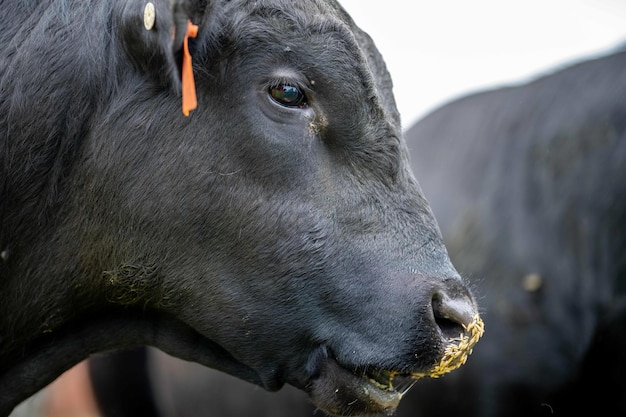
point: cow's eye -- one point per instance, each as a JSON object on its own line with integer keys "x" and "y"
{"x": 288, "y": 95}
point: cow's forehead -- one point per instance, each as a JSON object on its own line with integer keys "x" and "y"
{"x": 239, "y": 20}
{"x": 301, "y": 10}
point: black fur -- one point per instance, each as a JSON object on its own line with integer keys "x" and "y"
{"x": 248, "y": 237}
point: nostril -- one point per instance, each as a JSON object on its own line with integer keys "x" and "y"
{"x": 449, "y": 329}
{"x": 452, "y": 315}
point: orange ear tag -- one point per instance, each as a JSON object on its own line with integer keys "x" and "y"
{"x": 190, "y": 101}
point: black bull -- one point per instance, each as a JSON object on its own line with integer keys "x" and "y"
{"x": 528, "y": 184}
{"x": 276, "y": 234}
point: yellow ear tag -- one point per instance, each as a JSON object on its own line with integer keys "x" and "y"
{"x": 149, "y": 16}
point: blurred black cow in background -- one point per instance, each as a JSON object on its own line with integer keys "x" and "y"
{"x": 534, "y": 212}
{"x": 529, "y": 186}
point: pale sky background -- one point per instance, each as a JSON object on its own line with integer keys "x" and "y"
{"x": 438, "y": 50}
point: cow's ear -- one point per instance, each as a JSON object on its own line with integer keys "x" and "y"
{"x": 153, "y": 33}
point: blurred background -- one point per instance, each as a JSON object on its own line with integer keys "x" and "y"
{"x": 439, "y": 50}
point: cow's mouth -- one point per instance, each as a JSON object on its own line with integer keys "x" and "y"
{"x": 342, "y": 390}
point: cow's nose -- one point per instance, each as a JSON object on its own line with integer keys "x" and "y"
{"x": 453, "y": 309}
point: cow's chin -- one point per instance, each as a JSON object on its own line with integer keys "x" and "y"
{"x": 342, "y": 392}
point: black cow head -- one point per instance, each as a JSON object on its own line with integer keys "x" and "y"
{"x": 277, "y": 233}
